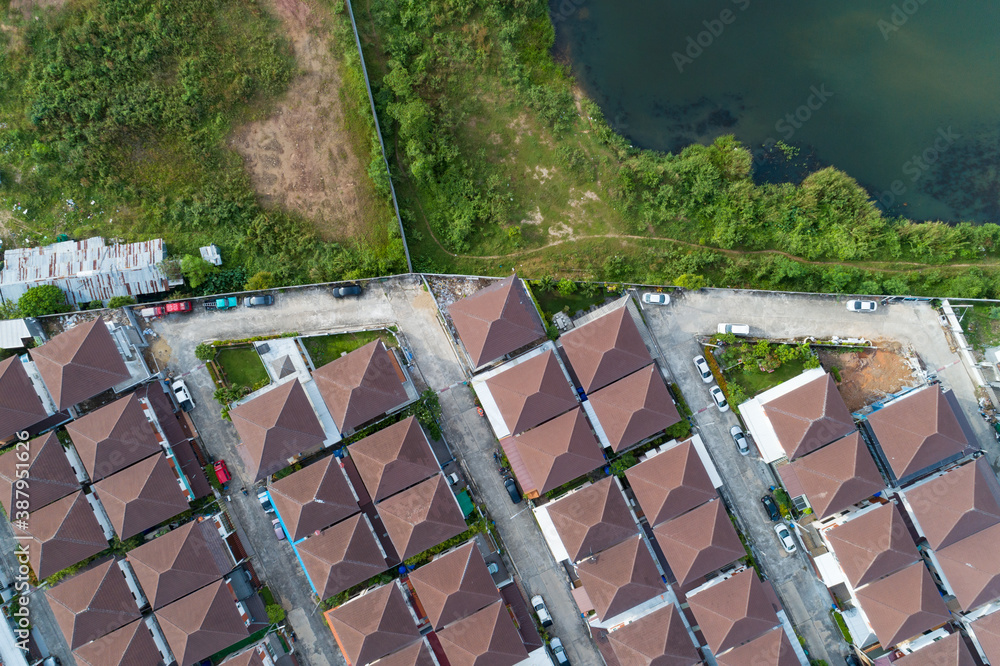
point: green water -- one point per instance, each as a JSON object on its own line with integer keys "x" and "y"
{"x": 903, "y": 96}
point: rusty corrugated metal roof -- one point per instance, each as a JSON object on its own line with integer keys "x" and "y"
{"x": 86, "y": 270}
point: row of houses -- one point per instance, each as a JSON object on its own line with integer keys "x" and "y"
{"x": 900, "y": 514}
{"x": 451, "y": 611}
{"x": 110, "y": 463}
{"x": 657, "y": 567}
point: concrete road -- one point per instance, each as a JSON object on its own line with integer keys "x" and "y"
{"x": 747, "y": 478}
{"x": 473, "y": 443}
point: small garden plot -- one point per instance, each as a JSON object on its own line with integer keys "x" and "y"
{"x": 325, "y": 348}
{"x": 568, "y": 296}
{"x": 751, "y": 369}
{"x": 241, "y": 366}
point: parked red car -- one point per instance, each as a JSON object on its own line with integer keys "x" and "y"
{"x": 222, "y": 472}
{"x": 179, "y": 306}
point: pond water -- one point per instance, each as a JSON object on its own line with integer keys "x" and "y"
{"x": 903, "y": 95}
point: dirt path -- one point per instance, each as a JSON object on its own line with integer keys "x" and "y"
{"x": 872, "y": 265}
{"x": 301, "y": 158}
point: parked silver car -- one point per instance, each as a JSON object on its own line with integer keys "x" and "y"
{"x": 741, "y": 440}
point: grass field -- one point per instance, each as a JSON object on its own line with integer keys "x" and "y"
{"x": 325, "y": 348}
{"x": 242, "y": 366}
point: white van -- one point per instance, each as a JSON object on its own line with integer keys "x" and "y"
{"x": 735, "y": 329}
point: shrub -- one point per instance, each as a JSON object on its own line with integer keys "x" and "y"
{"x": 260, "y": 280}
{"x": 275, "y": 613}
{"x": 204, "y": 352}
{"x": 195, "y": 269}
{"x": 42, "y": 300}
{"x": 120, "y": 301}
{"x": 690, "y": 281}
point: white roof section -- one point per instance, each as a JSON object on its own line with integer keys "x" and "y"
{"x": 537, "y": 657}
{"x": 548, "y": 528}
{"x": 211, "y": 254}
{"x": 700, "y": 449}
{"x": 595, "y": 424}
{"x": 829, "y": 570}
{"x": 759, "y": 424}
{"x": 13, "y": 332}
{"x": 86, "y": 270}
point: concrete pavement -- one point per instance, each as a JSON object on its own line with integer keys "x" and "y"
{"x": 474, "y": 443}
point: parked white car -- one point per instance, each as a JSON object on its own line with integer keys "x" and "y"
{"x": 862, "y": 306}
{"x": 538, "y": 604}
{"x": 720, "y": 398}
{"x": 703, "y": 370}
{"x": 785, "y": 537}
{"x": 182, "y": 394}
{"x": 735, "y": 329}
{"x": 655, "y": 299}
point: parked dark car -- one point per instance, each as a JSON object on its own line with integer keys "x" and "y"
{"x": 349, "y": 290}
{"x": 771, "y": 507}
{"x": 511, "y": 486}
{"x": 255, "y": 301}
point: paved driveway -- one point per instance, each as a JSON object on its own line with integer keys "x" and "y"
{"x": 474, "y": 443}
{"x": 747, "y": 478}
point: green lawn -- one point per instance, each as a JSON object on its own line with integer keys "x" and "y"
{"x": 242, "y": 366}
{"x": 325, "y": 348}
{"x": 758, "y": 382}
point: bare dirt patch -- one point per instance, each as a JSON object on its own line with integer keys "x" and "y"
{"x": 542, "y": 174}
{"x": 301, "y": 158}
{"x": 27, "y": 6}
{"x": 868, "y": 376}
{"x": 160, "y": 351}
{"x": 534, "y": 217}
{"x": 559, "y": 230}
{"x": 520, "y": 127}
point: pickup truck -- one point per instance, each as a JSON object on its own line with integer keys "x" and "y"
{"x": 169, "y": 308}
{"x": 221, "y": 303}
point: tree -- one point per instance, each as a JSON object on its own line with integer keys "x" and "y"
{"x": 690, "y": 281}
{"x": 275, "y": 613}
{"x": 260, "y": 280}
{"x": 42, "y": 300}
{"x": 120, "y": 301}
{"x": 204, "y": 352}
{"x": 195, "y": 269}
{"x": 8, "y": 310}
